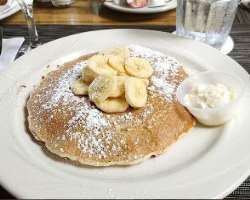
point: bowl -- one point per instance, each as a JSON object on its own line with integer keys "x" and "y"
{"x": 218, "y": 115}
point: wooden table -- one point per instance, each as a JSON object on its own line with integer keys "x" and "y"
{"x": 91, "y": 15}
{"x": 91, "y": 12}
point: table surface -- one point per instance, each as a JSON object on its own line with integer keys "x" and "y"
{"x": 88, "y": 15}
{"x": 91, "y": 12}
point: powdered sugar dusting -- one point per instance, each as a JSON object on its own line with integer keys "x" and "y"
{"x": 99, "y": 137}
{"x": 164, "y": 68}
{"x": 62, "y": 90}
{"x": 94, "y": 139}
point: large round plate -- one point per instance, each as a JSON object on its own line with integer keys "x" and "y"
{"x": 206, "y": 163}
{"x": 146, "y": 10}
{"x": 9, "y": 9}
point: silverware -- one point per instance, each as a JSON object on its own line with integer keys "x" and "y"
{"x": 21, "y": 51}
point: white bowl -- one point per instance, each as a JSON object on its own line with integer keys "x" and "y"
{"x": 212, "y": 116}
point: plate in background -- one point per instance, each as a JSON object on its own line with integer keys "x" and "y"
{"x": 146, "y": 10}
{"x": 9, "y": 9}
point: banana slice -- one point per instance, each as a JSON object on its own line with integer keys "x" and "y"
{"x": 122, "y": 74}
{"x": 119, "y": 88}
{"x": 94, "y": 69}
{"x": 79, "y": 87}
{"x": 122, "y": 51}
{"x": 138, "y": 67}
{"x": 146, "y": 81}
{"x": 104, "y": 87}
{"x": 101, "y": 88}
{"x": 113, "y": 105}
{"x": 100, "y": 59}
{"x": 117, "y": 63}
{"x": 136, "y": 92}
{"x": 88, "y": 75}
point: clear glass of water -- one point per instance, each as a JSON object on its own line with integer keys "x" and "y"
{"x": 208, "y": 21}
{"x": 33, "y": 39}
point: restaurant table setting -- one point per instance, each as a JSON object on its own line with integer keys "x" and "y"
{"x": 18, "y": 43}
{"x": 10, "y": 48}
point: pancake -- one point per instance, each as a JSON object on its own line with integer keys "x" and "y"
{"x": 72, "y": 127}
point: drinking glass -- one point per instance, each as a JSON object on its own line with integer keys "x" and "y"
{"x": 33, "y": 39}
{"x": 208, "y": 21}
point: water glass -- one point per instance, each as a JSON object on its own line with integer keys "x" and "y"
{"x": 208, "y": 21}
{"x": 33, "y": 39}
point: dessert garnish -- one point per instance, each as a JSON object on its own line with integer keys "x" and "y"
{"x": 114, "y": 80}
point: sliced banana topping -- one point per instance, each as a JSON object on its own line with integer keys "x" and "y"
{"x": 100, "y": 59}
{"x": 94, "y": 69}
{"x": 119, "y": 87}
{"x": 122, "y": 74}
{"x": 79, "y": 87}
{"x": 113, "y": 80}
{"x": 138, "y": 67}
{"x": 101, "y": 88}
{"x": 136, "y": 92}
{"x": 121, "y": 51}
{"x": 113, "y": 105}
{"x": 88, "y": 75}
{"x": 117, "y": 63}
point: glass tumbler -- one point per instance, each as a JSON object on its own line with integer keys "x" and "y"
{"x": 33, "y": 39}
{"x": 208, "y": 21}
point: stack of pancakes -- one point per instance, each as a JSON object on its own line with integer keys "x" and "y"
{"x": 72, "y": 127}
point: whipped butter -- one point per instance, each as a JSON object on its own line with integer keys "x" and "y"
{"x": 209, "y": 96}
{"x": 213, "y": 97}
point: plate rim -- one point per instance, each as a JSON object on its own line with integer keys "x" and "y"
{"x": 233, "y": 186}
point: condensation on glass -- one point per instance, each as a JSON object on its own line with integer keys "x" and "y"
{"x": 208, "y": 21}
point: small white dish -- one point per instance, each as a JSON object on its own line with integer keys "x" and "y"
{"x": 156, "y": 3}
{"x": 226, "y": 48}
{"x": 218, "y": 115}
{"x": 9, "y": 9}
{"x": 228, "y": 45}
{"x": 145, "y": 10}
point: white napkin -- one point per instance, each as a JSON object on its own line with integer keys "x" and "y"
{"x": 9, "y": 51}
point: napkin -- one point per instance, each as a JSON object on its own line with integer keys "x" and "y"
{"x": 9, "y": 50}
{"x": 246, "y": 3}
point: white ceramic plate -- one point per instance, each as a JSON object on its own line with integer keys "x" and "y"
{"x": 9, "y": 9}
{"x": 206, "y": 163}
{"x": 146, "y": 10}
